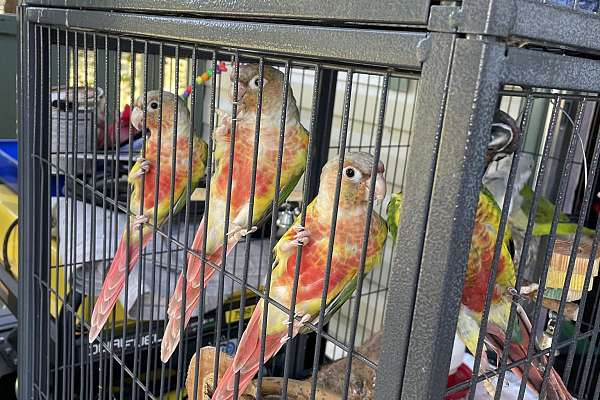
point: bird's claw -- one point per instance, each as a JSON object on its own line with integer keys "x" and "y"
{"x": 139, "y": 221}
{"x": 237, "y": 232}
{"x": 518, "y": 297}
{"x": 304, "y": 318}
{"x": 301, "y": 238}
{"x": 221, "y": 113}
{"x": 144, "y": 167}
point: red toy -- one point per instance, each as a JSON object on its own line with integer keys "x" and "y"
{"x": 463, "y": 373}
{"x": 123, "y": 130}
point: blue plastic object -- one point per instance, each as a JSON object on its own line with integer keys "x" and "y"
{"x": 586, "y": 5}
{"x": 9, "y": 165}
{"x": 9, "y": 168}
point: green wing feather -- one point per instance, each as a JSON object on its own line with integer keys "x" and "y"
{"x": 346, "y": 293}
{"x": 543, "y": 217}
{"x": 284, "y": 192}
{"x": 393, "y": 214}
{"x": 199, "y": 173}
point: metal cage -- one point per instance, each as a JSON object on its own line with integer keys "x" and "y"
{"x": 415, "y": 83}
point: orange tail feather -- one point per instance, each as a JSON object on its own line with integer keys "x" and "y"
{"x": 193, "y": 292}
{"x": 247, "y": 358}
{"x": 114, "y": 282}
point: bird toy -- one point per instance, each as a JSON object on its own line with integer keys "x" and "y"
{"x": 200, "y": 79}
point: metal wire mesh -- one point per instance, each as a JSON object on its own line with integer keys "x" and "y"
{"x": 557, "y": 160}
{"x": 108, "y": 108}
{"x": 92, "y": 147}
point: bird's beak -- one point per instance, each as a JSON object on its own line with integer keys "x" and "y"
{"x": 137, "y": 118}
{"x": 380, "y": 187}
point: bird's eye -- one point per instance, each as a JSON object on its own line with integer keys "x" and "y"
{"x": 153, "y": 105}
{"x": 255, "y": 82}
{"x": 352, "y": 173}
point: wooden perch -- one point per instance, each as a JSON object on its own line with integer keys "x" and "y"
{"x": 206, "y": 374}
{"x": 362, "y": 377}
{"x": 270, "y": 389}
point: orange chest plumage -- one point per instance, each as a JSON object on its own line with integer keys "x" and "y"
{"x": 166, "y": 178}
{"x": 243, "y": 163}
{"x": 345, "y": 260}
{"x": 481, "y": 255}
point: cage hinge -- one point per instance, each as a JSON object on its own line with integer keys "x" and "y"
{"x": 423, "y": 49}
{"x": 445, "y": 19}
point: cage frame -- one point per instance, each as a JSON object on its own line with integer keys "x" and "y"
{"x": 494, "y": 64}
{"x": 452, "y": 68}
{"x": 411, "y": 12}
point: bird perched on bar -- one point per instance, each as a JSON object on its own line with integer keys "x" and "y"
{"x": 158, "y": 160}
{"x": 295, "y": 146}
{"x": 478, "y": 272}
{"x": 505, "y": 135}
{"x": 352, "y": 217}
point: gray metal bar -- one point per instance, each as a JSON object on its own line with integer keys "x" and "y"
{"x": 399, "y": 49}
{"x": 421, "y": 164}
{"x": 532, "y": 20}
{"x": 26, "y": 258}
{"x": 385, "y": 11}
{"x": 8, "y": 45}
{"x": 472, "y": 96}
{"x": 541, "y": 69}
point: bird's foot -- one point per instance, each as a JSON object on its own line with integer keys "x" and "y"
{"x": 301, "y": 238}
{"x": 237, "y": 232}
{"x": 144, "y": 167}
{"x": 139, "y": 221}
{"x": 304, "y": 318}
{"x": 297, "y": 325}
{"x": 221, "y": 113}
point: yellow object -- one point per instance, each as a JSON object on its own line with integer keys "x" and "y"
{"x": 173, "y": 395}
{"x": 9, "y": 210}
{"x": 234, "y": 315}
{"x": 559, "y": 264}
{"x": 556, "y": 279}
{"x": 562, "y": 253}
